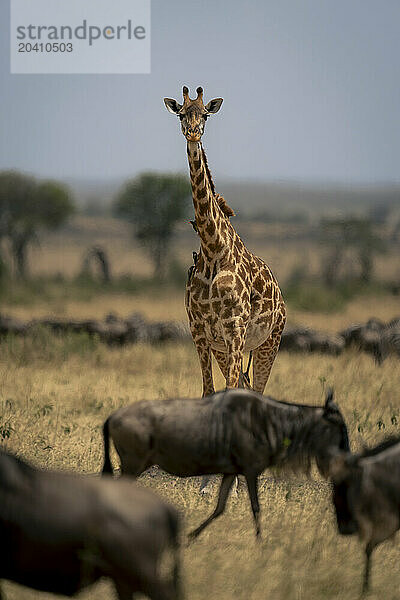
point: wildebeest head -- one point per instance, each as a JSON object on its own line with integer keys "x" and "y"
{"x": 332, "y": 434}
{"x": 317, "y": 432}
{"x": 344, "y": 472}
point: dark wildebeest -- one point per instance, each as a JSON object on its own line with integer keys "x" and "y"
{"x": 366, "y": 495}
{"x": 233, "y": 432}
{"x": 61, "y": 532}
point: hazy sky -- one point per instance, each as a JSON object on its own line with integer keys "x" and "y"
{"x": 311, "y": 92}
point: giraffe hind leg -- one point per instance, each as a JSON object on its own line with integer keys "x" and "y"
{"x": 264, "y": 357}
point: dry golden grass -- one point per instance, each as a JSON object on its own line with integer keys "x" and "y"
{"x": 56, "y": 393}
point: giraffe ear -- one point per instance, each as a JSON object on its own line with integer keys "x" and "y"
{"x": 172, "y": 105}
{"x": 214, "y": 105}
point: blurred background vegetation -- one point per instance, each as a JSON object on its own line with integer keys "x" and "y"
{"x": 66, "y": 245}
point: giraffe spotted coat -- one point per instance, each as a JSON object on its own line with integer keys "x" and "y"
{"x": 233, "y": 301}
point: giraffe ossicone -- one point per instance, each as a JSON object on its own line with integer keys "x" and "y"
{"x": 233, "y": 301}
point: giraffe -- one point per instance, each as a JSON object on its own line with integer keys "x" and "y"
{"x": 233, "y": 301}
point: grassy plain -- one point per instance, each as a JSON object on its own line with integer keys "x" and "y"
{"x": 56, "y": 392}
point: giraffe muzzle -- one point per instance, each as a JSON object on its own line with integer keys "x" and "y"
{"x": 193, "y": 134}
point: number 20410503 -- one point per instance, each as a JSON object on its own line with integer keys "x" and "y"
{"x": 49, "y": 47}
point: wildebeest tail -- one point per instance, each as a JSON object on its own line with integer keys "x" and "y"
{"x": 107, "y": 466}
{"x": 173, "y": 521}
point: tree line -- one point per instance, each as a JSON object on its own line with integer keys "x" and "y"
{"x": 152, "y": 202}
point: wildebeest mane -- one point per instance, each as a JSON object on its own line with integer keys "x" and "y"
{"x": 274, "y": 401}
{"x": 288, "y": 436}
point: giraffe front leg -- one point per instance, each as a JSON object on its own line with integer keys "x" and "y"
{"x": 204, "y": 352}
{"x": 234, "y": 341}
{"x": 264, "y": 356}
{"x": 221, "y": 359}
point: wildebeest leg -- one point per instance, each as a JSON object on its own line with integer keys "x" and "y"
{"x": 124, "y": 591}
{"x": 134, "y": 469}
{"x": 252, "y": 485}
{"x": 205, "y": 486}
{"x": 151, "y": 586}
{"x": 367, "y": 571}
{"x": 264, "y": 356}
{"x": 224, "y": 490}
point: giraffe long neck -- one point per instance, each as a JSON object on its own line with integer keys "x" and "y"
{"x": 212, "y": 225}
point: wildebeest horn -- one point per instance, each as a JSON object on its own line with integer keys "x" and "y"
{"x": 329, "y": 398}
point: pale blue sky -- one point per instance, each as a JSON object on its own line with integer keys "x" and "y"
{"x": 311, "y": 92}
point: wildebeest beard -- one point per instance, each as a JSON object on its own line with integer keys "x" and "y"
{"x": 313, "y": 441}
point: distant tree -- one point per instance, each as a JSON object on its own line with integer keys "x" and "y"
{"x": 350, "y": 232}
{"x": 395, "y": 235}
{"x": 153, "y": 203}
{"x": 99, "y": 255}
{"x": 28, "y": 207}
{"x": 380, "y": 212}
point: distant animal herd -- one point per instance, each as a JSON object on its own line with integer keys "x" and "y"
{"x": 62, "y": 532}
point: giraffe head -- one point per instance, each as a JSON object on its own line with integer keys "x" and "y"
{"x": 192, "y": 113}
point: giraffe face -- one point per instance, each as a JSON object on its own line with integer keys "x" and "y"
{"x": 192, "y": 113}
